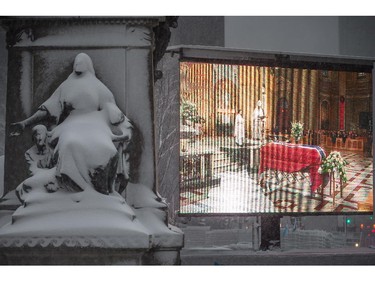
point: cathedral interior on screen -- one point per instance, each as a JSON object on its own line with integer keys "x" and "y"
{"x": 274, "y": 139}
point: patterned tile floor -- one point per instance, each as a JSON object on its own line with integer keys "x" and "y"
{"x": 239, "y": 192}
{"x": 236, "y": 193}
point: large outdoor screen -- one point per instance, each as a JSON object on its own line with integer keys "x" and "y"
{"x": 271, "y": 140}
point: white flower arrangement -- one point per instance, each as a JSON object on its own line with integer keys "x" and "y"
{"x": 334, "y": 163}
{"x": 297, "y": 130}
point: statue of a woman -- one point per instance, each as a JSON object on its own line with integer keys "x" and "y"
{"x": 89, "y": 128}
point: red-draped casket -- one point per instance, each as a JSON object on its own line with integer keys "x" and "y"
{"x": 291, "y": 158}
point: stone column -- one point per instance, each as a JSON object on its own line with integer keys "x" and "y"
{"x": 295, "y": 94}
{"x": 289, "y": 94}
{"x": 167, "y": 112}
{"x": 341, "y": 98}
{"x": 304, "y": 93}
{"x": 312, "y": 101}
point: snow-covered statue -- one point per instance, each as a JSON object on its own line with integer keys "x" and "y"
{"x": 39, "y": 156}
{"x": 87, "y": 145}
{"x": 41, "y": 164}
{"x": 258, "y": 121}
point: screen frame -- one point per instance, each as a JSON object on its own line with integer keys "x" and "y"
{"x": 207, "y": 54}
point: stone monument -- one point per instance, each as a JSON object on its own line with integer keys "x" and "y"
{"x": 88, "y": 194}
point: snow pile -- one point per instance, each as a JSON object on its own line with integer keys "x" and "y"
{"x": 140, "y": 196}
{"x": 67, "y": 213}
{"x": 10, "y": 200}
{"x": 91, "y": 214}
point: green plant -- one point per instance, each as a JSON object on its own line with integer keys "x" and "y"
{"x": 334, "y": 162}
{"x": 189, "y": 112}
{"x": 297, "y": 130}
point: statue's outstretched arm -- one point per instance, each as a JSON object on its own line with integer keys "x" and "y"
{"x": 18, "y": 128}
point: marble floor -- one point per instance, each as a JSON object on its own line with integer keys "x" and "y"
{"x": 239, "y": 192}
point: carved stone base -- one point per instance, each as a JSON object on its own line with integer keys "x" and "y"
{"x": 86, "y": 250}
{"x": 89, "y": 228}
{"x": 65, "y": 255}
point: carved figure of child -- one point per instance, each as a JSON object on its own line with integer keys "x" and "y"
{"x": 41, "y": 164}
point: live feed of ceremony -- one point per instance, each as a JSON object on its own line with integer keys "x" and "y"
{"x": 266, "y": 139}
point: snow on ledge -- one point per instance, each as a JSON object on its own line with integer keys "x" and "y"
{"x": 74, "y": 241}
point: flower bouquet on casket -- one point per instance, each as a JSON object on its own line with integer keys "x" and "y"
{"x": 297, "y": 130}
{"x": 334, "y": 163}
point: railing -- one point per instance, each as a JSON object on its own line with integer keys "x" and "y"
{"x": 356, "y": 144}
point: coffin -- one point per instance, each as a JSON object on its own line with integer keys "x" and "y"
{"x": 292, "y": 158}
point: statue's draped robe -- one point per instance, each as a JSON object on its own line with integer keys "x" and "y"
{"x": 86, "y": 113}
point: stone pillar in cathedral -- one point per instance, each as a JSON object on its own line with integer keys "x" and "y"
{"x": 303, "y": 99}
{"x": 270, "y": 97}
{"x": 283, "y": 82}
{"x": 289, "y": 91}
{"x": 341, "y": 99}
{"x": 295, "y": 94}
{"x": 282, "y": 99}
{"x": 276, "y": 94}
{"x": 253, "y": 93}
{"x": 313, "y": 100}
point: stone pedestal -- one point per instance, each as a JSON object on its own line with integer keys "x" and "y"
{"x": 63, "y": 255}
{"x": 41, "y": 53}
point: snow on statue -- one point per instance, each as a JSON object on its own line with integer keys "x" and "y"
{"x": 79, "y": 168}
{"x": 89, "y": 140}
{"x": 41, "y": 164}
